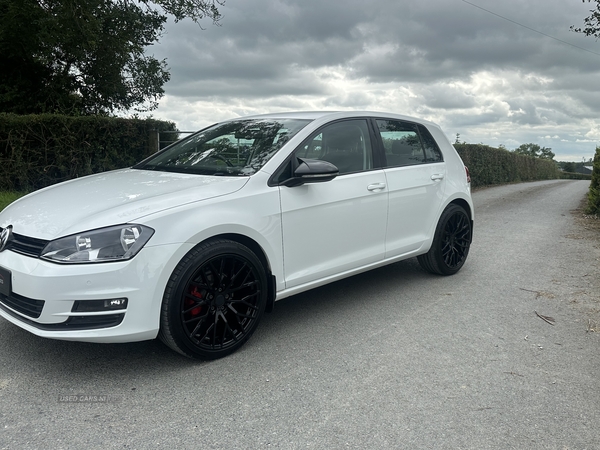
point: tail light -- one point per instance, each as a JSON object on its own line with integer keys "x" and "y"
{"x": 468, "y": 174}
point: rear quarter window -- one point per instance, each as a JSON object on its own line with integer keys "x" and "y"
{"x": 432, "y": 151}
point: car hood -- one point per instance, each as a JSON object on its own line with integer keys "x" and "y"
{"x": 110, "y": 198}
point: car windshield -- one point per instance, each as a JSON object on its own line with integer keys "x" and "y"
{"x": 236, "y": 148}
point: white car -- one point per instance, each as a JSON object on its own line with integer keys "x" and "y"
{"x": 196, "y": 242}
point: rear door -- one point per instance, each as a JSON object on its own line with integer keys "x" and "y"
{"x": 416, "y": 177}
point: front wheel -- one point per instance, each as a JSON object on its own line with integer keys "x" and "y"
{"x": 451, "y": 242}
{"x": 214, "y": 300}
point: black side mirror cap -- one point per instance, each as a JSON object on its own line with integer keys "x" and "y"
{"x": 312, "y": 171}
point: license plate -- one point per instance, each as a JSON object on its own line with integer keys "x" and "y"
{"x": 5, "y": 279}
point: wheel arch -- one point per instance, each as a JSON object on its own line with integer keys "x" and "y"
{"x": 261, "y": 255}
{"x": 460, "y": 201}
{"x": 451, "y": 241}
{"x": 465, "y": 205}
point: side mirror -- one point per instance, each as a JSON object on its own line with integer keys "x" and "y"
{"x": 312, "y": 171}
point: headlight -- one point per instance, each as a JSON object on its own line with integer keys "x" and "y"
{"x": 116, "y": 243}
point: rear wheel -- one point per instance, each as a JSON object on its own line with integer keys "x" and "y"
{"x": 214, "y": 300}
{"x": 451, "y": 242}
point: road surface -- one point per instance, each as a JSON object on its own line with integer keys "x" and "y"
{"x": 394, "y": 358}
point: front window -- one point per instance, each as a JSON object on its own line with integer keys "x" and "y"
{"x": 236, "y": 148}
{"x": 344, "y": 144}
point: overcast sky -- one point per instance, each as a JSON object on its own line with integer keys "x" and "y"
{"x": 466, "y": 69}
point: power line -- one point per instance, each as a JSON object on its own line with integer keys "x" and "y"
{"x": 531, "y": 29}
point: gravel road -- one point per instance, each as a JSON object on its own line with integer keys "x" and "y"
{"x": 394, "y": 358}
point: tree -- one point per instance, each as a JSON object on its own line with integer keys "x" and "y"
{"x": 591, "y": 23}
{"x": 535, "y": 150}
{"x": 86, "y": 56}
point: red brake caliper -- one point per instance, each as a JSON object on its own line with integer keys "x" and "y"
{"x": 189, "y": 302}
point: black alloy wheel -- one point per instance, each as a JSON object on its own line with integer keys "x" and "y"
{"x": 451, "y": 242}
{"x": 214, "y": 300}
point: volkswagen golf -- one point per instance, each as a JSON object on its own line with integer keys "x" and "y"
{"x": 194, "y": 244}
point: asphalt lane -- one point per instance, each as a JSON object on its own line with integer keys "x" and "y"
{"x": 394, "y": 358}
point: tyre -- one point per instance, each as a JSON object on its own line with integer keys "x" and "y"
{"x": 451, "y": 242}
{"x": 214, "y": 300}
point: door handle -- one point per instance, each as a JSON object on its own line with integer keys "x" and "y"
{"x": 437, "y": 176}
{"x": 376, "y": 187}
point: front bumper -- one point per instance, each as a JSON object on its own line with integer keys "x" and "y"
{"x": 44, "y": 294}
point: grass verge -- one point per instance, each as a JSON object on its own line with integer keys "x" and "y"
{"x": 7, "y": 197}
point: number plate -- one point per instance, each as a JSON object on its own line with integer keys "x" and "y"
{"x": 5, "y": 279}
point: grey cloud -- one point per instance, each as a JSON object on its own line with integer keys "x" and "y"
{"x": 424, "y": 57}
{"x": 239, "y": 87}
{"x": 421, "y": 40}
{"x": 446, "y": 96}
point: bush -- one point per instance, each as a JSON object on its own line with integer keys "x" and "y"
{"x": 39, "y": 150}
{"x": 594, "y": 193}
{"x": 489, "y": 165}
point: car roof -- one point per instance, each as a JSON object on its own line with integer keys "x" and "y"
{"x": 331, "y": 115}
{"x": 311, "y": 115}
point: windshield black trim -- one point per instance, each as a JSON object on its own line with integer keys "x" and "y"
{"x": 192, "y": 171}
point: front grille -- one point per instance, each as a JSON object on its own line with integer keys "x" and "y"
{"x": 26, "y": 245}
{"x": 28, "y": 306}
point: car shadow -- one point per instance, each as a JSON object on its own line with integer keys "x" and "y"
{"x": 382, "y": 288}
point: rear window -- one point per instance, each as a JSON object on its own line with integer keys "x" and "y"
{"x": 407, "y": 143}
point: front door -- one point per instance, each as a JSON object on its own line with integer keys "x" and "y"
{"x": 337, "y": 226}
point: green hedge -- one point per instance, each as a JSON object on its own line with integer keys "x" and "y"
{"x": 575, "y": 176}
{"x": 489, "y": 165}
{"x": 594, "y": 193}
{"x": 39, "y": 150}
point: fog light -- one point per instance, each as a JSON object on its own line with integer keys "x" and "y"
{"x": 115, "y": 303}
{"x": 99, "y": 305}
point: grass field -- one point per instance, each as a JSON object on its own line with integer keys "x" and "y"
{"x": 7, "y": 197}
